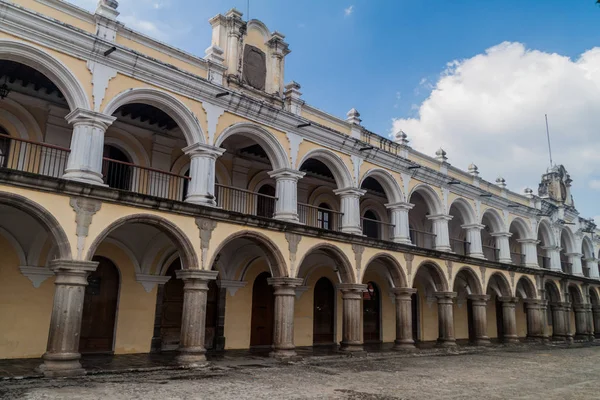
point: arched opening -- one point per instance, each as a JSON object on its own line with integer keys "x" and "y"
{"x": 554, "y": 317}
{"x": 465, "y": 285}
{"x": 525, "y": 290}
{"x": 566, "y": 248}
{"x": 497, "y": 288}
{"x": 265, "y": 205}
{"x": 577, "y": 314}
{"x": 263, "y": 313}
{"x": 324, "y": 313}
{"x": 421, "y": 227}
{"x": 428, "y": 281}
{"x": 588, "y": 261}
{"x": 545, "y": 244}
{"x": 372, "y": 314}
{"x": 4, "y": 147}
{"x": 518, "y": 233}
{"x": 595, "y": 301}
{"x": 370, "y": 223}
{"x": 462, "y": 215}
{"x": 117, "y": 173}
{"x": 380, "y": 190}
{"x": 493, "y": 225}
{"x": 100, "y": 309}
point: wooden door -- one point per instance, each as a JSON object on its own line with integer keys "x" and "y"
{"x": 371, "y": 314}
{"x": 263, "y": 305}
{"x": 415, "y": 316}
{"x": 172, "y": 306}
{"x": 323, "y": 312}
{"x": 212, "y": 310}
{"x": 100, "y": 309}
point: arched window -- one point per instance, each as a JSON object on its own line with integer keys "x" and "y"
{"x": 324, "y": 217}
{"x": 116, "y": 168}
{"x": 370, "y": 225}
{"x": 265, "y": 206}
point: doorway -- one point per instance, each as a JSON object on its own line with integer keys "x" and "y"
{"x": 371, "y": 314}
{"x": 263, "y": 305}
{"x": 323, "y": 312}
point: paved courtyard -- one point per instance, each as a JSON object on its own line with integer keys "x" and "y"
{"x": 543, "y": 373}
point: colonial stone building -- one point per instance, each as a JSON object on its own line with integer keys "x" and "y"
{"x": 152, "y": 200}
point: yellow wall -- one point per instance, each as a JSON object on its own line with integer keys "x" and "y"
{"x": 492, "y": 325}
{"x": 521, "y": 319}
{"x": 461, "y": 319}
{"x": 428, "y": 316}
{"x": 388, "y": 309}
{"x": 24, "y": 310}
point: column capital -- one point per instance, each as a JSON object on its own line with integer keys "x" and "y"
{"x": 591, "y": 260}
{"x": 83, "y": 116}
{"x": 203, "y": 150}
{"x": 287, "y": 173}
{"x": 535, "y": 302}
{"x": 479, "y": 297}
{"x": 285, "y": 281}
{"x": 508, "y": 299}
{"x": 445, "y": 295}
{"x": 352, "y": 288}
{"x": 473, "y": 226}
{"x": 439, "y": 217}
{"x": 528, "y": 241}
{"x": 196, "y": 274}
{"x": 551, "y": 248}
{"x": 501, "y": 234}
{"x": 403, "y": 293}
{"x": 575, "y": 255}
{"x": 72, "y": 272}
{"x": 350, "y": 192}
{"x": 399, "y": 206}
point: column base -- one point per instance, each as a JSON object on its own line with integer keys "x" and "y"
{"x": 351, "y": 347}
{"x": 353, "y": 230}
{"x": 510, "y": 340}
{"x": 581, "y": 336}
{"x": 201, "y": 200}
{"x": 84, "y": 177}
{"x": 192, "y": 357}
{"x": 481, "y": 256}
{"x": 406, "y": 345}
{"x": 536, "y": 338}
{"x": 402, "y": 240}
{"x": 444, "y": 343}
{"x": 446, "y": 249}
{"x": 483, "y": 341}
{"x": 61, "y": 365}
{"x": 285, "y": 355}
{"x": 287, "y": 217}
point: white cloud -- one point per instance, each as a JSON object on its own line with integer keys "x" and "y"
{"x": 348, "y": 11}
{"x": 490, "y": 109}
{"x": 595, "y": 184}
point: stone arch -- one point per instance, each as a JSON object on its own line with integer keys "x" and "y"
{"x": 435, "y": 273}
{"x": 323, "y": 195}
{"x": 575, "y": 292}
{"x": 432, "y": 199}
{"x": 552, "y": 291}
{"x": 587, "y": 248}
{"x": 521, "y": 227}
{"x": 397, "y": 275}
{"x": 269, "y": 143}
{"x": 260, "y": 27}
{"x": 25, "y": 124}
{"x": 275, "y": 259}
{"x": 594, "y": 298}
{"x": 466, "y": 210}
{"x": 497, "y": 223}
{"x": 379, "y": 209}
{"x": 53, "y": 69}
{"x": 344, "y": 267}
{"x": 569, "y": 240}
{"x": 181, "y": 114}
{"x": 341, "y": 173}
{"x": 468, "y": 278}
{"x": 392, "y": 190}
{"x": 546, "y": 233}
{"x": 43, "y": 217}
{"x": 499, "y": 284}
{"x": 525, "y": 288}
{"x": 134, "y": 152}
{"x": 189, "y": 260}
{"x": 16, "y": 246}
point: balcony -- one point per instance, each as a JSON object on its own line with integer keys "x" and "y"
{"x": 491, "y": 253}
{"x": 517, "y": 258}
{"x": 422, "y": 239}
{"x": 460, "y": 246}
{"x": 544, "y": 262}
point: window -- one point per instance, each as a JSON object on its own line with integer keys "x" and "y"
{"x": 324, "y": 217}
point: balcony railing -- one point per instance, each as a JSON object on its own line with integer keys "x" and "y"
{"x": 517, "y": 258}
{"x": 318, "y": 217}
{"x": 380, "y": 142}
{"x": 566, "y": 267}
{"x": 544, "y": 262}
{"x": 36, "y": 158}
{"x": 491, "y": 253}
{"x": 245, "y": 201}
{"x": 460, "y": 246}
{"x": 376, "y": 229}
{"x": 422, "y": 239}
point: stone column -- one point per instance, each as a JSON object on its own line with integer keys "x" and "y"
{"x": 445, "y": 301}
{"x": 350, "y": 207}
{"x": 592, "y": 266}
{"x": 509, "y": 319}
{"x": 404, "y": 335}
{"x": 352, "y": 340}
{"x": 399, "y": 216}
{"x": 286, "y": 191}
{"x": 560, "y": 326}
{"x": 596, "y": 318}
{"x": 581, "y": 328}
{"x": 62, "y": 353}
{"x": 479, "y": 308}
{"x": 193, "y": 320}
{"x": 529, "y": 249}
{"x": 283, "y": 327}
{"x": 201, "y": 188}
{"x": 87, "y": 146}
{"x": 575, "y": 260}
{"x": 535, "y": 319}
{"x": 553, "y": 253}
{"x": 440, "y": 229}
{"x": 503, "y": 246}
{"x": 474, "y": 238}
{"x": 589, "y": 318}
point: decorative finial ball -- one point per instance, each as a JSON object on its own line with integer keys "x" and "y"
{"x": 114, "y": 4}
{"x": 441, "y": 152}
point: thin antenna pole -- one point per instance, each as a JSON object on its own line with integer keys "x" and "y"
{"x": 548, "y": 135}
{"x": 248, "y": 10}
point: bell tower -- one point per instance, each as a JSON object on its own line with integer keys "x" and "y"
{"x": 556, "y": 185}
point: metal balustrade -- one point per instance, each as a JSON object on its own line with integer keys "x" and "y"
{"x": 376, "y": 229}
{"x": 318, "y": 217}
{"x": 33, "y": 157}
{"x": 245, "y": 201}
{"x": 460, "y": 246}
{"x": 517, "y": 258}
{"x": 422, "y": 239}
{"x": 491, "y": 253}
{"x": 544, "y": 262}
{"x": 566, "y": 267}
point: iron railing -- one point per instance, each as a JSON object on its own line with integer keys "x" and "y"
{"x": 460, "y": 246}
{"x": 245, "y": 201}
{"x": 491, "y": 253}
{"x": 422, "y": 239}
{"x": 544, "y": 262}
{"x": 143, "y": 180}
{"x": 566, "y": 267}
{"x": 517, "y": 258}
{"x": 376, "y": 229}
{"x": 318, "y": 217}
{"x": 380, "y": 142}
{"x": 36, "y": 158}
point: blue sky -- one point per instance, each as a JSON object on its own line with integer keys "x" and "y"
{"x": 510, "y": 62}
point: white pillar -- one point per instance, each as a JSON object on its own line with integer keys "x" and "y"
{"x": 553, "y": 253}
{"x": 592, "y": 266}
{"x": 399, "y": 219}
{"x": 575, "y": 260}
{"x": 503, "y": 245}
{"x": 201, "y": 189}
{"x": 529, "y": 248}
{"x": 350, "y": 207}
{"x": 440, "y": 229}
{"x": 87, "y": 146}
{"x": 286, "y": 191}
{"x": 474, "y": 239}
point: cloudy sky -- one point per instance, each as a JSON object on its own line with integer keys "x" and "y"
{"x": 474, "y": 77}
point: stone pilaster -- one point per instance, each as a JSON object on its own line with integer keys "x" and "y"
{"x": 474, "y": 238}
{"x": 445, "y": 301}
{"x": 350, "y": 207}
{"x": 62, "y": 353}
{"x": 592, "y": 266}
{"x": 286, "y": 191}
{"x": 283, "y": 328}
{"x": 352, "y": 340}
{"x": 399, "y": 215}
{"x": 560, "y": 321}
{"x": 193, "y": 320}
{"x": 553, "y": 253}
{"x": 509, "y": 320}
{"x": 201, "y": 188}
{"x": 479, "y": 308}
{"x": 596, "y": 318}
{"x": 589, "y": 318}
{"x": 87, "y": 146}
{"x": 503, "y": 246}
{"x": 404, "y": 335}
{"x": 581, "y": 326}
{"x": 575, "y": 260}
{"x": 535, "y": 319}
{"x": 440, "y": 229}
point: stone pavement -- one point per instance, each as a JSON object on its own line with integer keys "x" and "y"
{"x": 520, "y": 372}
